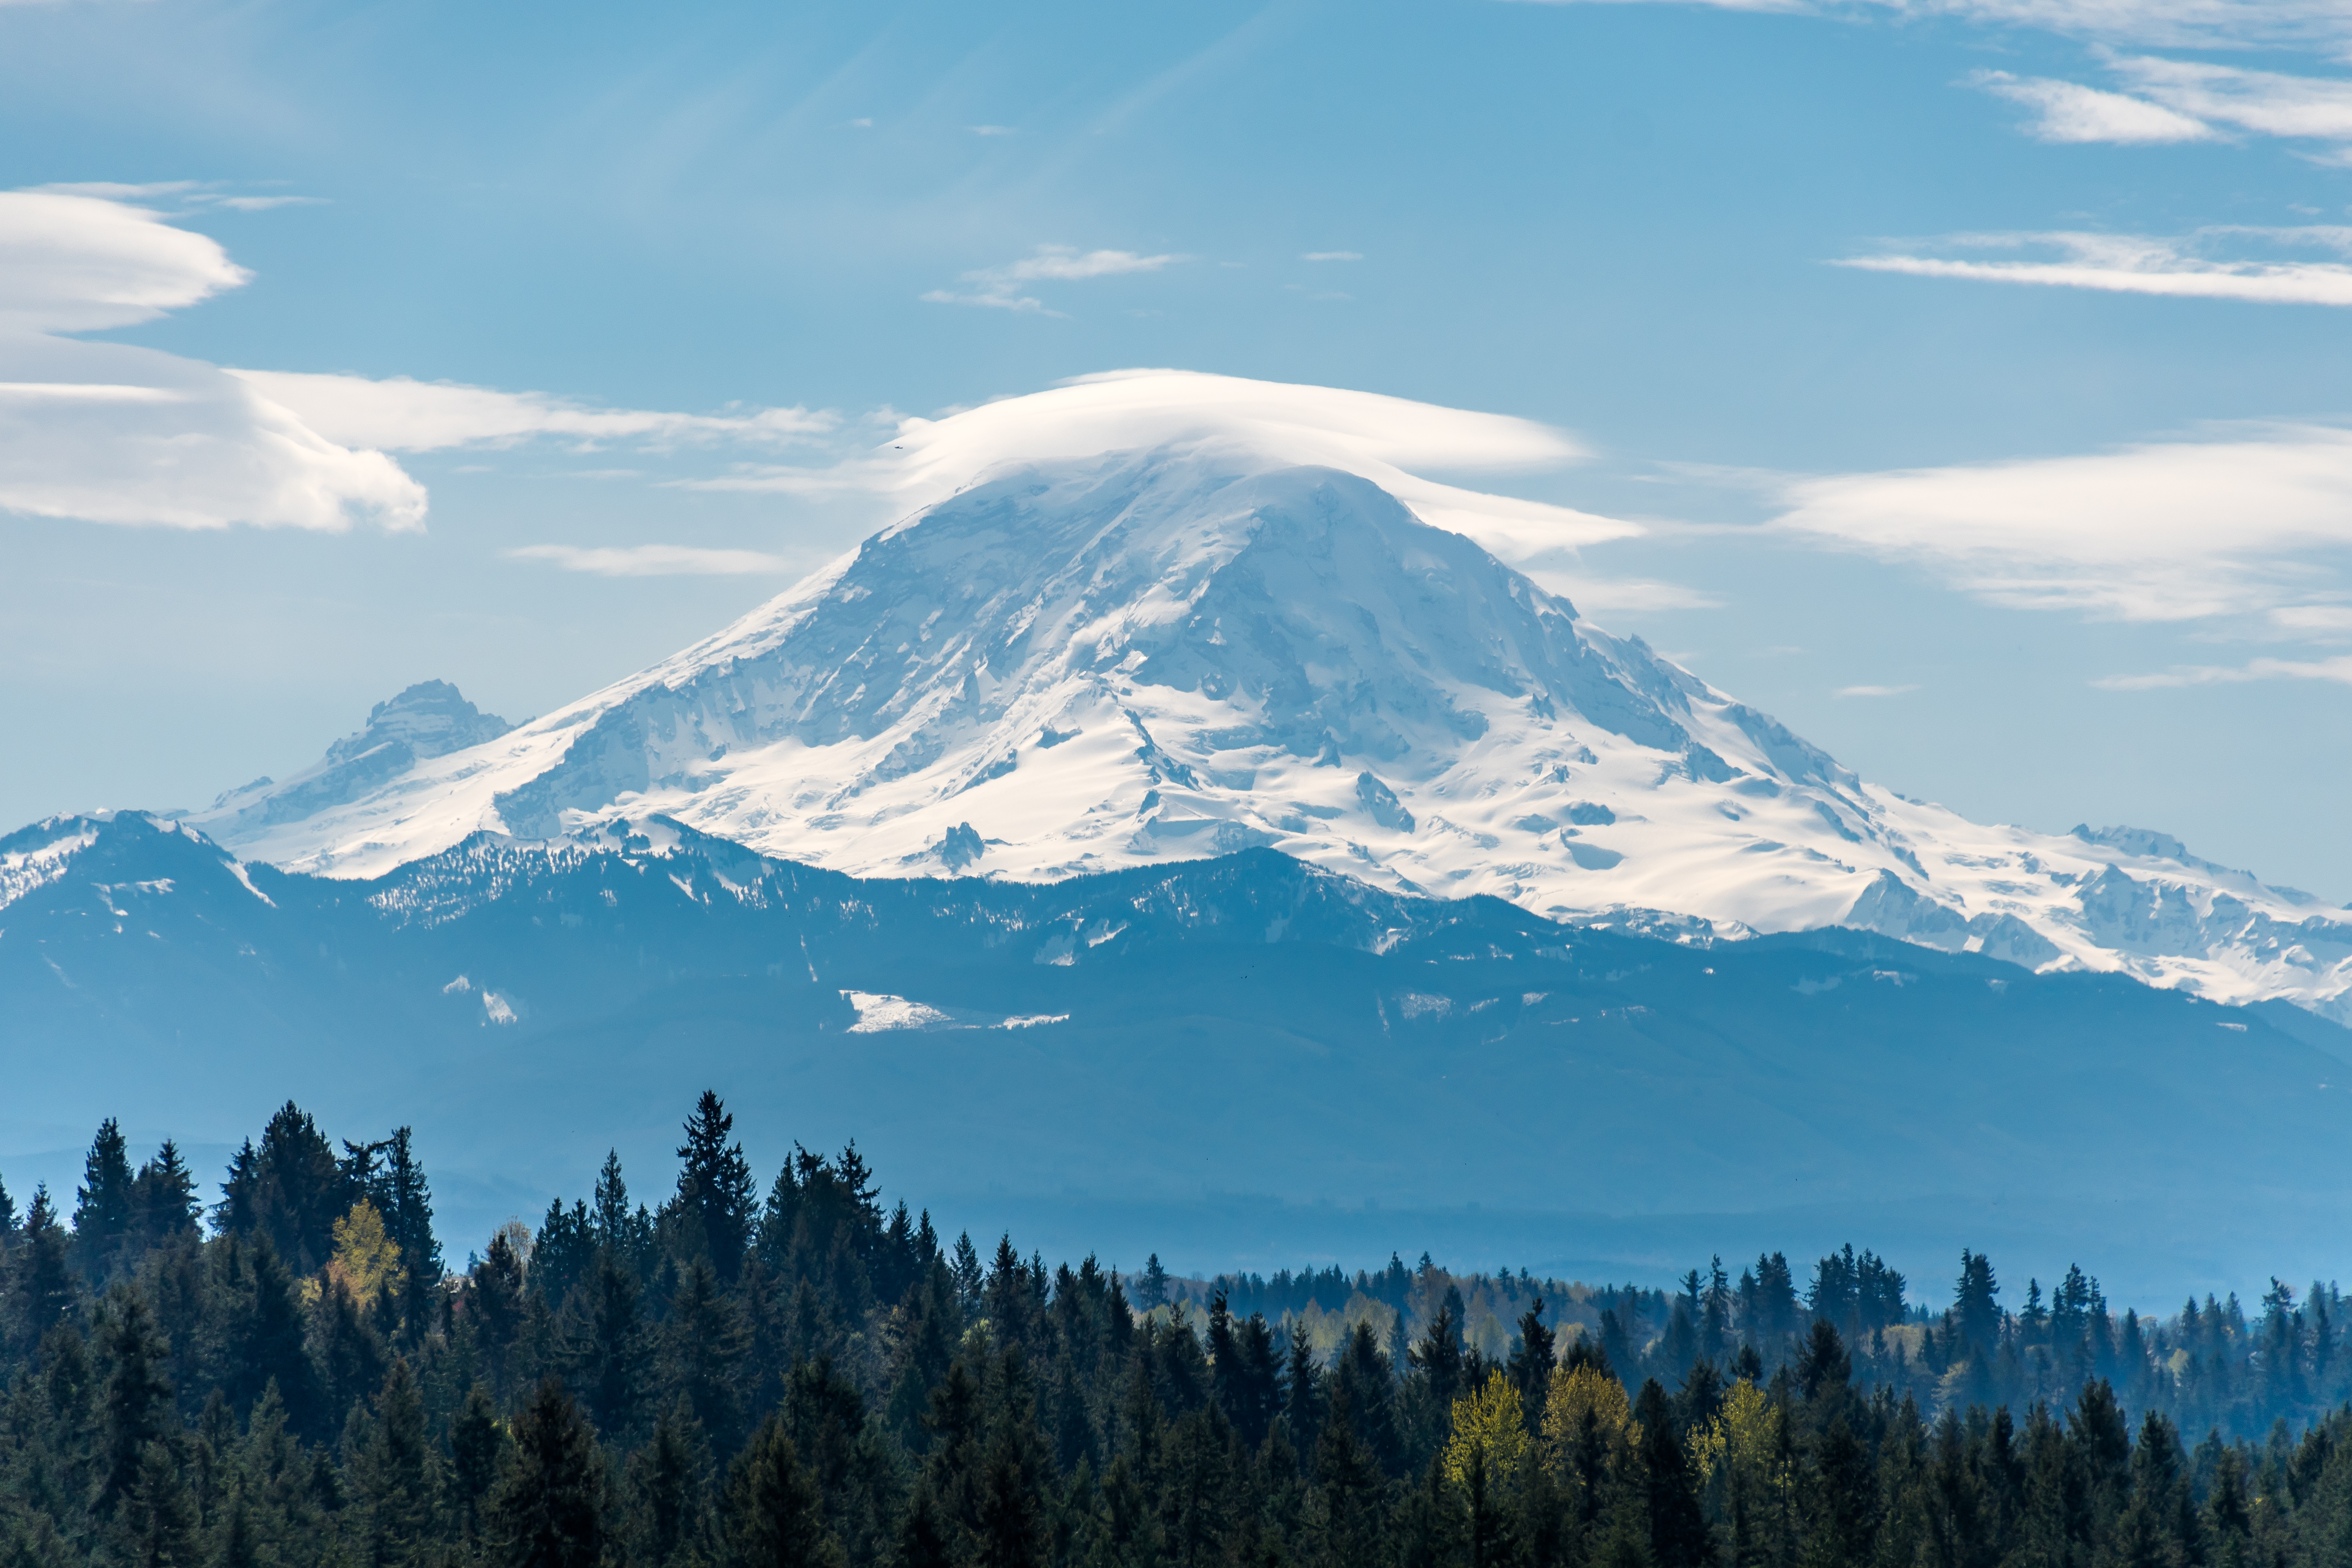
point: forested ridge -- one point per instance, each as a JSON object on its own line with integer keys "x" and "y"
{"x": 738, "y": 1376}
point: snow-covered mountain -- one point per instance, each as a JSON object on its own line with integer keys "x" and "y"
{"x": 1183, "y": 650}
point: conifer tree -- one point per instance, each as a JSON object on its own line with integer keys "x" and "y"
{"x": 1151, "y": 1288}
{"x": 290, "y": 1189}
{"x": 1010, "y": 1524}
{"x": 494, "y": 1301}
{"x": 164, "y": 1200}
{"x": 1975, "y": 1312}
{"x": 606, "y": 1349}
{"x": 156, "y": 1520}
{"x": 1532, "y": 1358}
{"x": 40, "y": 1288}
{"x": 406, "y": 1199}
{"x": 628, "y": 1232}
{"x": 670, "y": 1492}
{"x": 1302, "y": 1408}
{"x": 714, "y": 1186}
{"x": 396, "y": 1479}
{"x": 1344, "y": 1507}
{"x": 135, "y": 1407}
{"x": 1678, "y": 1534}
{"x": 1438, "y": 1356}
{"x": 103, "y": 1204}
{"x": 775, "y": 1518}
{"x": 1843, "y": 1499}
{"x": 546, "y": 1511}
{"x": 968, "y": 1275}
{"x": 1370, "y": 1383}
{"x": 704, "y": 1344}
{"x": 478, "y": 1451}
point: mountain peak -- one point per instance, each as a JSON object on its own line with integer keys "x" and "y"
{"x": 431, "y": 718}
{"x": 1186, "y": 650}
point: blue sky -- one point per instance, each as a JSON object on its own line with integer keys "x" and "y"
{"x": 1975, "y": 371}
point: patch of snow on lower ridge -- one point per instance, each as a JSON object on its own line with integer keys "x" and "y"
{"x": 877, "y": 1012}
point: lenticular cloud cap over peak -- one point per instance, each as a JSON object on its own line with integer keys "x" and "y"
{"x": 1125, "y": 409}
{"x": 1388, "y": 440}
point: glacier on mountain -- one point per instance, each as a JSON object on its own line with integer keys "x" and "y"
{"x": 1078, "y": 664}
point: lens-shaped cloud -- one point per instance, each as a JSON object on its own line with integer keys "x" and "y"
{"x": 1394, "y": 441}
{"x": 108, "y": 433}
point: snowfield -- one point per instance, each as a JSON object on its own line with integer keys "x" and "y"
{"x": 1180, "y": 651}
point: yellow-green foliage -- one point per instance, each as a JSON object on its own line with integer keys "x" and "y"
{"x": 1487, "y": 1422}
{"x": 1326, "y": 1332}
{"x": 1578, "y": 1397}
{"x": 1743, "y": 1442}
{"x": 365, "y": 1257}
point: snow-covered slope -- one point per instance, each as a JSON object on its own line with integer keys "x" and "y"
{"x": 1185, "y": 650}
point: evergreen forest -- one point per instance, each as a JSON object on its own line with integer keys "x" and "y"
{"x": 730, "y": 1375}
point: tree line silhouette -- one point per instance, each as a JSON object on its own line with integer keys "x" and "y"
{"x": 733, "y": 1376}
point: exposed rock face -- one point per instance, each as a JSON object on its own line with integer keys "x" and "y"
{"x": 431, "y": 718}
{"x": 1165, "y": 654}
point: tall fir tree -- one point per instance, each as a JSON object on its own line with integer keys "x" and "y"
{"x": 775, "y": 1516}
{"x": 103, "y": 1204}
{"x": 714, "y": 1186}
{"x": 547, "y": 1509}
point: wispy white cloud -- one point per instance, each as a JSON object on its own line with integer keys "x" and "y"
{"x": 2212, "y": 263}
{"x": 187, "y": 193}
{"x": 2314, "y": 623}
{"x": 110, "y": 433}
{"x": 2252, "y": 523}
{"x": 1332, "y": 255}
{"x": 2267, "y": 103}
{"x": 398, "y": 415}
{"x": 999, "y": 288}
{"x": 2186, "y": 100}
{"x": 2072, "y": 113}
{"x": 1607, "y": 596}
{"x": 1873, "y": 690}
{"x": 653, "y": 560}
{"x": 992, "y": 130}
{"x": 266, "y": 203}
{"x": 2161, "y": 23}
{"x": 2336, "y": 670}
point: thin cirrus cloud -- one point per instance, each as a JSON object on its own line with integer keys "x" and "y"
{"x": 2186, "y": 100}
{"x": 1003, "y": 287}
{"x": 401, "y": 414}
{"x": 1874, "y": 691}
{"x": 2337, "y": 669}
{"x": 1332, "y": 255}
{"x": 191, "y": 194}
{"x": 2159, "y": 21}
{"x": 653, "y": 560}
{"x": 2253, "y": 523}
{"x": 2069, "y": 113}
{"x": 2266, "y": 103}
{"x": 2229, "y": 261}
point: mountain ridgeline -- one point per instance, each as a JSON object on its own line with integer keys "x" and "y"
{"x": 1234, "y": 1060}
{"x": 753, "y": 1373}
{"x": 1162, "y": 655}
